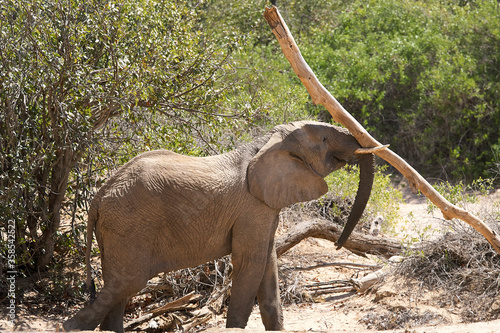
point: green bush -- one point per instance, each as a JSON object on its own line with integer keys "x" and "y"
{"x": 461, "y": 194}
{"x": 420, "y": 75}
{"x": 384, "y": 199}
{"x": 66, "y": 69}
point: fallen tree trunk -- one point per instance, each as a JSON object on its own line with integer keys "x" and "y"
{"x": 358, "y": 243}
{"x": 320, "y": 95}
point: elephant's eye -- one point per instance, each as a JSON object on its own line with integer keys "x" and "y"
{"x": 324, "y": 139}
{"x": 293, "y": 155}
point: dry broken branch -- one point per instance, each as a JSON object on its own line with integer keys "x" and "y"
{"x": 351, "y": 265}
{"x": 178, "y": 304}
{"x": 365, "y": 283}
{"x": 358, "y": 243}
{"x": 330, "y": 287}
{"x": 320, "y": 95}
{"x": 197, "y": 317}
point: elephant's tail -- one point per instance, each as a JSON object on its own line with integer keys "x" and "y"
{"x": 92, "y": 218}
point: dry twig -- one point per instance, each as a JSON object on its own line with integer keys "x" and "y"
{"x": 330, "y": 287}
{"x": 462, "y": 267}
{"x": 350, "y": 265}
{"x": 179, "y": 304}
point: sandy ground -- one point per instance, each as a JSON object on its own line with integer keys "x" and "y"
{"x": 347, "y": 311}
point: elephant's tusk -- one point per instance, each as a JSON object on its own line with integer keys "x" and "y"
{"x": 370, "y": 150}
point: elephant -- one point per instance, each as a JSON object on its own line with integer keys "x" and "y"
{"x": 164, "y": 211}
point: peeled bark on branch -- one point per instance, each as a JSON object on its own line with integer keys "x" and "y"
{"x": 358, "y": 243}
{"x": 365, "y": 283}
{"x": 320, "y": 95}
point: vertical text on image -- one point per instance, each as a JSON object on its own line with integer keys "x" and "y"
{"x": 11, "y": 272}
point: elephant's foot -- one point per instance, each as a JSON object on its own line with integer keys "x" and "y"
{"x": 272, "y": 315}
{"x": 73, "y": 324}
{"x": 114, "y": 319}
{"x": 84, "y": 320}
{"x": 234, "y": 324}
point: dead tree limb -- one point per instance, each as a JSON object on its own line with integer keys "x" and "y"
{"x": 330, "y": 287}
{"x": 178, "y": 304}
{"x": 351, "y": 265}
{"x": 365, "y": 283}
{"x": 358, "y": 243}
{"x": 320, "y": 95}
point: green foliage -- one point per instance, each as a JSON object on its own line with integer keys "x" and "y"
{"x": 384, "y": 199}
{"x": 417, "y": 235}
{"x": 66, "y": 69}
{"x": 420, "y": 75}
{"x": 266, "y": 88}
{"x": 495, "y": 162}
{"x": 85, "y": 86}
{"x": 461, "y": 194}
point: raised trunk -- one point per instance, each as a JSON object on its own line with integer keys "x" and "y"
{"x": 366, "y": 174}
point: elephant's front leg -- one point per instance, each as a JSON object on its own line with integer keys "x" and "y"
{"x": 248, "y": 270}
{"x": 269, "y": 294}
{"x": 254, "y": 260}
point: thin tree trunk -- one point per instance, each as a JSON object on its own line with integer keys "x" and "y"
{"x": 59, "y": 183}
{"x": 320, "y": 95}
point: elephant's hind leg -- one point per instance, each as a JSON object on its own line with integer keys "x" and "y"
{"x": 92, "y": 314}
{"x": 107, "y": 308}
{"x": 114, "y": 319}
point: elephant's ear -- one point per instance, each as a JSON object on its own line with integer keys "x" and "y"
{"x": 280, "y": 178}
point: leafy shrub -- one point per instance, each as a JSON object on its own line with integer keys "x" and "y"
{"x": 420, "y": 75}
{"x": 67, "y": 68}
{"x": 384, "y": 199}
{"x": 461, "y": 194}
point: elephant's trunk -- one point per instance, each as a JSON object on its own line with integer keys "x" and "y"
{"x": 366, "y": 174}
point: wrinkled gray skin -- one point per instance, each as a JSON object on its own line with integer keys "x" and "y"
{"x": 162, "y": 212}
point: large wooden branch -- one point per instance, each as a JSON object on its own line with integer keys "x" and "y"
{"x": 320, "y": 95}
{"x": 358, "y": 243}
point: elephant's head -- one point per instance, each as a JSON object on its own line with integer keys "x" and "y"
{"x": 290, "y": 167}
